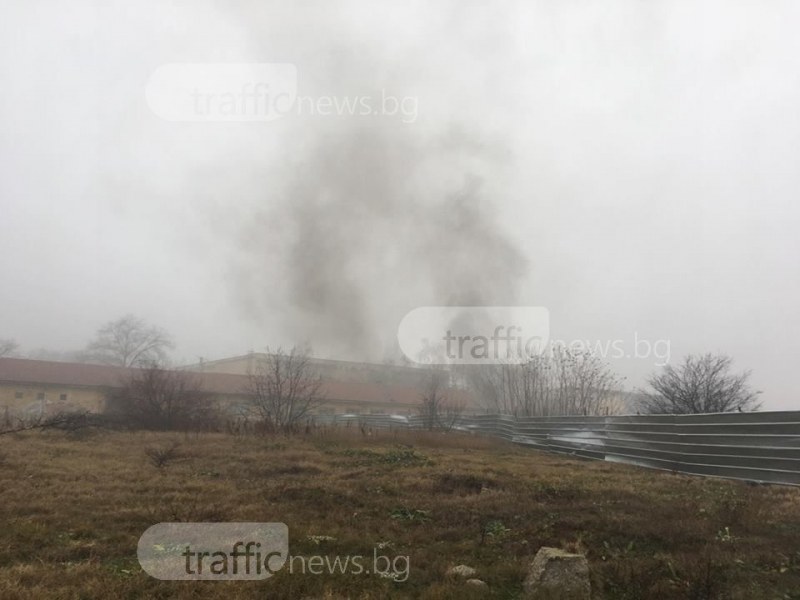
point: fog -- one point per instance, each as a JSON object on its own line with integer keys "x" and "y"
{"x": 630, "y": 166}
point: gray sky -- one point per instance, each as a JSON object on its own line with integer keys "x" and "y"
{"x": 629, "y": 165}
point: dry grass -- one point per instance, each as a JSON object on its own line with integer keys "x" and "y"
{"x": 74, "y": 508}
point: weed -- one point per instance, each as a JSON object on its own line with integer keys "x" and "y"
{"x": 399, "y": 457}
{"x": 728, "y": 502}
{"x": 725, "y": 536}
{"x": 161, "y": 456}
{"x": 462, "y": 484}
{"x": 493, "y": 530}
{"x": 634, "y": 579}
{"x": 405, "y": 457}
{"x": 410, "y": 514}
{"x": 319, "y": 539}
{"x": 703, "y": 579}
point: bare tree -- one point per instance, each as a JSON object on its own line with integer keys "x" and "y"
{"x": 432, "y": 400}
{"x": 7, "y": 347}
{"x": 129, "y": 342}
{"x": 162, "y": 399}
{"x": 285, "y": 389}
{"x": 586, "y": 384}
{"x": 559, "y": 381}
{"x": 451, "y": 414}
{"x": 437, "y": 407}
{"x": 701, "y": 384}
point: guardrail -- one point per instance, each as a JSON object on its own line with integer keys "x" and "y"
{"x": 760, "y": 446}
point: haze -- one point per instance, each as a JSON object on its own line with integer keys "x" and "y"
{"x": 631, "y": 166}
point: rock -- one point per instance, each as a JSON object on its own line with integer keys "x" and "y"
{"x": 558, "y": 574}
{"x": 477, "y": 583}
{"x": 461, "y": 571}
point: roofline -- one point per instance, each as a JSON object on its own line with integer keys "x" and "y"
{"x": 228, "y": 359}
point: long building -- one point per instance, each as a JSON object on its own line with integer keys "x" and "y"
{"x": 34, "y": 387}
{"x": 330, "y": 370}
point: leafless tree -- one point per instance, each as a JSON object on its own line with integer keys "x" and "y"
{"x": 560, "y": 381}
{"x": 437, "y": 407}
{"x": 285, "y": 389}
{"x": 162, "y": 399}
{"x": 7, "y": 347}
{"x": 700, "y": 384}
{"x": 129, "y": 342}
{"x": 432, "y": 400}
{"x": 451, "y": 414}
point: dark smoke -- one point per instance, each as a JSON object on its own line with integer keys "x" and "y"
{"x": 372, "y": 222}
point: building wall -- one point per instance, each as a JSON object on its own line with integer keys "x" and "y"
{"x": 43, "y": 399}
{"x": 31, "y": 400}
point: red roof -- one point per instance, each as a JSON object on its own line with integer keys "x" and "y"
{"x": 22, "y": 370}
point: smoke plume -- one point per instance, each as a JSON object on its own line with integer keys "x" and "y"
{"x": 373, "y": 221}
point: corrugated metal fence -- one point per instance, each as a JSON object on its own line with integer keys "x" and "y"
{"x": 759, "y": 446}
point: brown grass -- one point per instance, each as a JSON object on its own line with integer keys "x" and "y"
{"x": 72, "y": 510}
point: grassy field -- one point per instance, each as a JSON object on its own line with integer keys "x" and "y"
{"x": 73, "y": 510}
